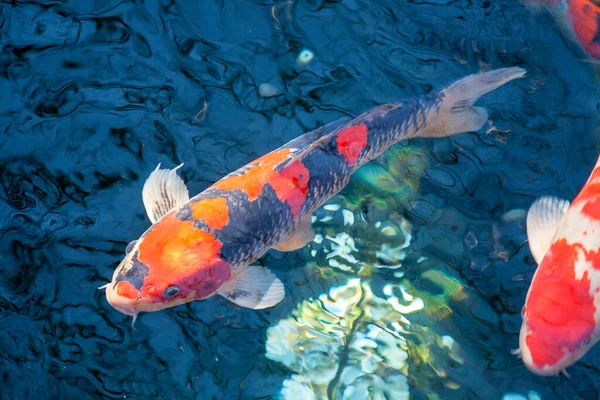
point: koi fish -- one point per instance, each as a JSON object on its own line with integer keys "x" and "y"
{"x": 579, "y": 19}
{"x": 561, "y": 316}
{"x": 205, "y": 245}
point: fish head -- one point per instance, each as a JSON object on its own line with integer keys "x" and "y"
{"x": 559, "y": 314}
{"x": 171, "y": 264}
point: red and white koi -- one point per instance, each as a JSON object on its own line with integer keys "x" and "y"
{"x": 561, "y": 317}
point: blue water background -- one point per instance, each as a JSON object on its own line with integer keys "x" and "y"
{"x": 95, "y": 93}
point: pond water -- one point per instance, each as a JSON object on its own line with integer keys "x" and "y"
{"x": 415, "y": 281}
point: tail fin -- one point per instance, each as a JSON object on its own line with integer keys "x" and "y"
{"x": 456, "y": 113}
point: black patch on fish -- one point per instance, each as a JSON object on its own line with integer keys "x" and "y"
{"x": 308, "y": 138}
{"x": 209, "y": 284}
{"x": 201, "y": 224}
{"x": 238, "y": 293}
{"x": 596, "y": 38}
{"x": 185, "y": 213}
{"x": 254, "y": 226}
{"x": 134, "y": 275}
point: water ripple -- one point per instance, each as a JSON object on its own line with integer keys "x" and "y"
{"x": 96, "y": 93}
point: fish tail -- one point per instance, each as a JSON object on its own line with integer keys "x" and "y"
{"x": 456, "y": 112}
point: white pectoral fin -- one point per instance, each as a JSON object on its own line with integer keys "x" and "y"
{"x": 163, "y": 191}
{"x": 253, "y": 287}
{"x": 543, "y": 219}
{"x": 298, "y": 238}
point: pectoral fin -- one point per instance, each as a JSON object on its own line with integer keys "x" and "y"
{"x": 298, "y": 238}
{"x": 543, "y": 219}
{"x": 163, "y": 191}
{"x": 253, "y": 287}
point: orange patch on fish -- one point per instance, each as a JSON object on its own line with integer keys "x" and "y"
{"x": 260, "y": 172}
{"x": 351, "y": 141}
{"x": 181, "y": 254}
{"x": 584, "y": 16}
{"x": 560, "y": 309}
{"x": 290, "y": 183}
{"x": 212, "y": 211}
{"x": 126, "y": 289}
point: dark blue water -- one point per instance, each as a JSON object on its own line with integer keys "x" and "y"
{"x": 95, "y": 93}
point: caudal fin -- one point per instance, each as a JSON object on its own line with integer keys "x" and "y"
{"x": 456, "y": 112}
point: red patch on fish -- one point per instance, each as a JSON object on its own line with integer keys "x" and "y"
{"x": 594, "y": 258}
{"x": 592, "y": 209}
{"x": 212, "y": 211}
{"x": 351, "y": 141}
{"x": 560, "y": 308}
{"x": 178, "y": 253}
{"x": 290, "y": 183}
{"x": 590, "y": 195}
{"x": 584, "y": 17}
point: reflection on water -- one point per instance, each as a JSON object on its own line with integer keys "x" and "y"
{"x": 346, "y": 344}
{"x": 416, "y": 279}
{"x": 359, "y": 340}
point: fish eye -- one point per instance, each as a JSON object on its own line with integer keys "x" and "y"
{"x": 130, "y": 246}
{"x": 171, "y": 291}
{"x": 586, "y": 342}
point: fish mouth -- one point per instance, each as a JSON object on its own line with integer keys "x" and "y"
{"x": 117, "y": 303}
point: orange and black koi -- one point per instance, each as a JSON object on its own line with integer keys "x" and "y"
{"x": 205, "y": 245}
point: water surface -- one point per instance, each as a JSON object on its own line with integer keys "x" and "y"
{"x": 416, "y": 281}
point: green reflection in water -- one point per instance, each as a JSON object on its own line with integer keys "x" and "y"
{"x": 357, "y": 341}
{"x": 352, "y": 343}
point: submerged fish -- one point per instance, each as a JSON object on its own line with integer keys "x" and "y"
{"x": 579, "y": 19}
{"x": 205, "y": 245}
{"x": 561, "y": 317}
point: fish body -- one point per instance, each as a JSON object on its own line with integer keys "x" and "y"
{"x": 561, "y": 316}
{"x": 579, "y": 19}
{"x": 205, "y": 245}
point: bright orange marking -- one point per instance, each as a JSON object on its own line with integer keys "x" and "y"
{"x": 126, "y": 289}
{"x": 351, "y": 141}
{"x": 560, "y": 309}
{"x": 260, "y": 172}
{"x": 212, "y": 211}
{"x": 290, "y": 184}
{"x": 176, "y": 253}
{"x": 583, "y": 15}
